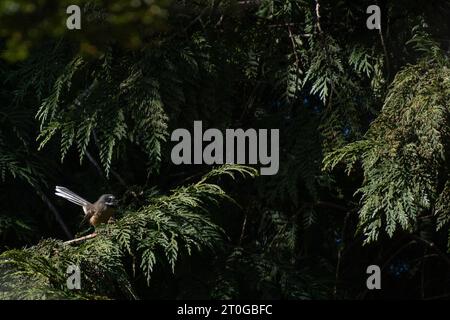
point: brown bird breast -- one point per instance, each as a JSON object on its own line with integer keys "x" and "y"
{"x": 99, "y": 214}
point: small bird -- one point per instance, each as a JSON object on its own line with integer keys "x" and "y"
{"x": 96, "y": 213}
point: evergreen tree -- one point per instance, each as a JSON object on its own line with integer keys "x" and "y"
{"x": 363, "y": 117}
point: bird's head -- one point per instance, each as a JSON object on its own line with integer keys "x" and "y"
{"x": 109, "y": 199}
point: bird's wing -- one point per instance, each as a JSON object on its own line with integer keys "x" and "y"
{"x": 89, "y": 211}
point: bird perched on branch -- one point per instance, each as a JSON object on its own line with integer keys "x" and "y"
{"x": 96, "y": 213}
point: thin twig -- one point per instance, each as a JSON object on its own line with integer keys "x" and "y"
{"x": 249, "y": 2}
{"x": 290, "y": 24}
{"x": 388, "y": 67}
{"x": 383, "y": 44}
{"x": 297, "y": 60}
{"x": 113, "y": 172}
{"x": 250, "y": 102}
{"x": 95, "y": 164}
{"x": 318, "y": 16}
{"x": 243, "y": 230}
{"x": 438, "y": 297}
{"x": 388, "y": 261}
{"x": 422, "y": 276}
{"x": 193, "y": 22}
{"x": 81, "y": 239}
{"x": 340, "y": 251}
{"x": 58, "y": 217}
{"x": 331, "y": 205}
{"x": 433, "y": 246}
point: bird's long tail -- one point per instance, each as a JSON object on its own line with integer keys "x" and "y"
{"x": 71, "y": 196}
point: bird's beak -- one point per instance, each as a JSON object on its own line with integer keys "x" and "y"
{"x": 113, "y": 203}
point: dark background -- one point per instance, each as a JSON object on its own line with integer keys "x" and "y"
{"x": 146, "y": 69}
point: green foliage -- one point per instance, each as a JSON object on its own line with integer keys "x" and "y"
{"x": 157, "y": 233}
{"x": 269, "y": 265}
{"x": 16, "y": 227}
{"x": 123, "y": 103}
{"x": 112, "y": 93}
{"x": 404, "y": 154}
